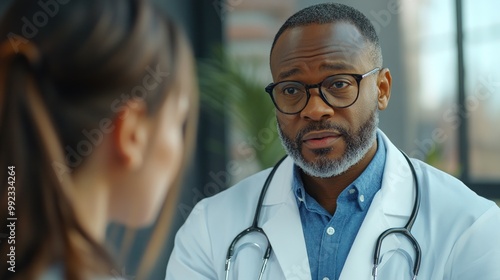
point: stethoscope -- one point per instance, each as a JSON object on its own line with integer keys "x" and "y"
{"x": 404, "y": 231}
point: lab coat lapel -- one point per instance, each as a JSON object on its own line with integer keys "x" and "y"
{"x": 390, "y": 207}
{"x": 283, "y": 226}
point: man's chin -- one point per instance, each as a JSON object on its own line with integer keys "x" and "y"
{"x": 323, "y": 154}
{"x": 321, "y": 158}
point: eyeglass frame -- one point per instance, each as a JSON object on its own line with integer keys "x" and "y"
{"x": 358, "y": 77}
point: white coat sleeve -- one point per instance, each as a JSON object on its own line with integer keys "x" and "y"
{"x": 191, "y": 257}
{"x": 476, "y": 254}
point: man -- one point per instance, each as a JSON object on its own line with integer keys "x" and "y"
{"x": 343, "y": 184}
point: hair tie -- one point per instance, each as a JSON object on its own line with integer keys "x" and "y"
{"x": 27, "y": 49}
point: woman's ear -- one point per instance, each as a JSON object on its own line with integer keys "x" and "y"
{"x": 384, "y": 84}
{"x": 130, "y": 137}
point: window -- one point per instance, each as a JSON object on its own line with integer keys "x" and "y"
{"x": 482, "y": 82}
{"x": 446, "y": 99}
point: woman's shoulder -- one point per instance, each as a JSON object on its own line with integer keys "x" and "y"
{"x": 56, "y": 272}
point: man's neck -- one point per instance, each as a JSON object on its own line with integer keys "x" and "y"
{"x": 326, "y": 190}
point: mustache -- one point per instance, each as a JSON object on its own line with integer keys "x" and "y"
{"x": 317, "y": 126}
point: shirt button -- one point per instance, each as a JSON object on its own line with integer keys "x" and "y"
{"x": 351, "y": 191}
{"x": 330, "y": 231}
{"x": 362, "y": 198}
{"x": 326, "y": 278}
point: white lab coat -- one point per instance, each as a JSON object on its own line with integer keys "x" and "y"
{"x": 458, "y": 231}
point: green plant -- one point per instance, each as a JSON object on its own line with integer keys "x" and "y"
{"x": 229, "y": 88}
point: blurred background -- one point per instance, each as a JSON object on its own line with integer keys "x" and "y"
{"x": 444, "y": 109}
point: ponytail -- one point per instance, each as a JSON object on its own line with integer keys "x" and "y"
{"x": 46, "y": 223}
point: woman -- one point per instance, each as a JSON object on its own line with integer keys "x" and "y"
{"x": 96, "y": 102}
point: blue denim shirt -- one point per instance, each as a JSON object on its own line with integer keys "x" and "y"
{"x": 329, "y": 239}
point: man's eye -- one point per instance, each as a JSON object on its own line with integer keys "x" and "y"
{"x": 339, "y": 85}
{"x": 291, "y": 91}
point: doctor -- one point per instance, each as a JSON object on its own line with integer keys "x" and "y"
{"x": 343, "y": 184}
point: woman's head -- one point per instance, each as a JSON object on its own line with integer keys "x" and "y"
{"x": 94, "y": 98}
{"x": 149, "y": 151}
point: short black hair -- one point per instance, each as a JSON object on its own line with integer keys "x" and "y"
{"x": 334, "y": 12}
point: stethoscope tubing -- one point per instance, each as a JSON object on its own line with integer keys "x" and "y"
{"x": 254, "y": 227}
{"x": 405, "y": 231}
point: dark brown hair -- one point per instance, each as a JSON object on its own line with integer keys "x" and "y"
{"x": 65, "y": 68}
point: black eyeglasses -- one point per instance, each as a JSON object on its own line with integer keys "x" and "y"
{"x": 338, "y": 91}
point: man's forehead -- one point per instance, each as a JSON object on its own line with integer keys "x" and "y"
{"x": 336, "y": 28}
{"x": 341, "y": 39}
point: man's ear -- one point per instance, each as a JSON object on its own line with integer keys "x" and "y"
{"x": 384, "y": 84}
{"x": 130, "y": 137}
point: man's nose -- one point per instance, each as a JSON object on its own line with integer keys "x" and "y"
{"x": 316, "y": 108}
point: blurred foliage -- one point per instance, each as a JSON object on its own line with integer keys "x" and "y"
{"x": 228, "y": 86}
{"x": 436, "y": 157}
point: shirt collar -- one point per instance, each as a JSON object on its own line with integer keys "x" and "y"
{"x": 362, "y": 190}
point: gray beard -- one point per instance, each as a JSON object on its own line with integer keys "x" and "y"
{"x": 357, "y": 145}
